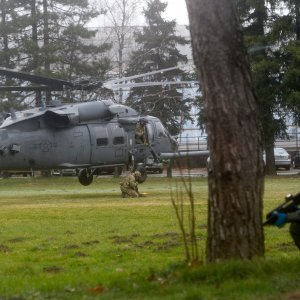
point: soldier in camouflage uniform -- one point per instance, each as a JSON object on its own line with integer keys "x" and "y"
{"x": 140, "y": 137}
{"x": 129, "y": 185}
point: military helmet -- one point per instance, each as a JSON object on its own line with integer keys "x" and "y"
{"x": 137, "y": 174}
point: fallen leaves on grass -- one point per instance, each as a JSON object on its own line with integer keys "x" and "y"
{"x": 97, "y": 289}
{"x": 292, "y": 296}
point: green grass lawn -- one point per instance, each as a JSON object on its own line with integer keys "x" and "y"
{"x": 60, "y": 240}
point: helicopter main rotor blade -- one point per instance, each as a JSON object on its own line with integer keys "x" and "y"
{"x": 28, "y": 88}
{"x": 35, "y": 78}
{"x": 47, "y": 83}
{"x": 144, "y": 84}
{"x": 139, "y": 75}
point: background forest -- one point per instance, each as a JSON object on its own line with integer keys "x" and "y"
{"x": 52, "y": 37}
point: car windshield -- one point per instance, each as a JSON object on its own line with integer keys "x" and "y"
{"x": 280, "y": 152}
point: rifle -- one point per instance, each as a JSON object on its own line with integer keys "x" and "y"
{"x": 289, "y": 205}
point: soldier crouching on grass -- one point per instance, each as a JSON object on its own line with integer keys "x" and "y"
{"x": 129, "y": 185}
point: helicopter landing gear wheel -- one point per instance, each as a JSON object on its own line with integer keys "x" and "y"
{"x": 85, "y": 177}
{"x": 133, "y": 166}
{"x": 143, "y": 172}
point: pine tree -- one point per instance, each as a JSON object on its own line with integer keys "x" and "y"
{"x": 157, "y": 49}
{"x": 290, "y": 56}
{"x": 264, "y": 67}
{"x": 270, "y": 37}
{"x": 53, "y": 39}
{"x": 12, "y": 30}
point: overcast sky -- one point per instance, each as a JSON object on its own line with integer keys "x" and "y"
{"x": 176, "y": 9}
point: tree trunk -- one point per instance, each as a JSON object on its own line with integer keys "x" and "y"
{"x": 35, "y": 57}
{"x": 297, "y": 16}
{"x": 234, "y": 132}
{"x": 6, "y": 61}
{"x": 46, "y": 45}
{"x": 270, "y": 168}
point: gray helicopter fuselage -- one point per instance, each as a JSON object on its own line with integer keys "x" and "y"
{"x": 85, "y": 135}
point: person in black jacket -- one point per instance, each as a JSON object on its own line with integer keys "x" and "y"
{"x": 293, "y": 217}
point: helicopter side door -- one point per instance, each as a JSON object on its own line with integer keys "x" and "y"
{"x": 108, "y": 144}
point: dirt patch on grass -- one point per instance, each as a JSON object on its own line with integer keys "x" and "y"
{"x": 5, "y": 249}
{"x": 167, "y": 245}
{"x": 290, "y": 246}
{"x": 292, "y": 296}
{"x": 71, "y": 247}
{"x": 165, "y": 235}
{"x": 17, "y": 240}
{"x": 117, "y": 239}
{"x": 146, "y": 244}
{"x": 90, "y": 243}
{"x": 53, "y": 269}
{"x": 157, "y": 242}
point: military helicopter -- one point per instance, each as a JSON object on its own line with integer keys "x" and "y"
{"x": 85, "y": 136}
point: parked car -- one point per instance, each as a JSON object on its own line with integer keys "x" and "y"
{"x": 153, "y": 166}
{"x": 282, "y": 159}
{"x": 63, "y": 172}
{"x": 56, "y": 172}
{"x": 296, "y": 161}
{"x": 10, "y": 173}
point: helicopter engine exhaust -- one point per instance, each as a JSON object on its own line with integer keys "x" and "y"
{"x": 93, "y": 110}
{"x": 84, "y": 112}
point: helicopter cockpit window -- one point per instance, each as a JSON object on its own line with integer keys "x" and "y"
{"x": 160, "y": 129}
